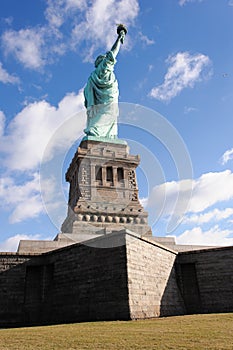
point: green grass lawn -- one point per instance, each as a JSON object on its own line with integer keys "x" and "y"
{"x": 197, "y": 332}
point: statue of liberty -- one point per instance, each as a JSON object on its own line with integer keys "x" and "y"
{"x": 101, "y": 93}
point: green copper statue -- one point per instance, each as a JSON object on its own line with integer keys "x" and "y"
{"x": 101, "y": 93}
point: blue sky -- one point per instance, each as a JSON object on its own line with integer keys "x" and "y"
{"x": 177, "y": 60}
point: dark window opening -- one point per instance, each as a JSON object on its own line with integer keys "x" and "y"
{"x": 98, "y": 173}
{"x": 120, "y": 174}
{"x": 109, "y": 174}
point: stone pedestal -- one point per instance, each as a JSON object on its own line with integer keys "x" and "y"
{"x": 103, "y": 192}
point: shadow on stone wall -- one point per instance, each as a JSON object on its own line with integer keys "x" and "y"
{"x": 172, "y": 302}
{"x": 12, "y": 288}
{"x": 82, "y": 283}
{"x": 74, "y": 284}
{"x": 26, "y": 291}
{"x": 205, "y": 280}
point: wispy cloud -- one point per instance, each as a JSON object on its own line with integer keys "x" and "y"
{"x": 58, "y": 11}
{"x": 188, "y": 110}
{"x": 227, "y": 156}
{"x": 7, "y": 78}
{"x": 230, "y": 3}
{"x": 22, "y": 199}
{"x": 184, "y": 2}
{"x": 144, "y": 201}
{"x": 11, "y": 244}
{"x": 35, "y": 125}
{"x": 22, "y": 146}
{"x": 97, "y": 28}
{"x": 91, "y": 23}
{"x": 212, "y": 237}
{"x": 211, "y": 216}
{"x": 2, "y": 123}
{"x": 26, "y": 45}
{"x": 184, "y": 70}
{"x": 208, "y": 190}
{"x": 204, "y": 221}
{"x": 8, "y": 20}
{"x": 145, "y": 40}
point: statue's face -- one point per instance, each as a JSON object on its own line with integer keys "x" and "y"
{"x": 99, "y": 59}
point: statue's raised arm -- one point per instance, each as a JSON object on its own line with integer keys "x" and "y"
{"x": 101, "y": 93}
{"x": 121, "y": 31}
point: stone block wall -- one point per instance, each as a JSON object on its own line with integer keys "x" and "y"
{"x": 72, "y": 284}
{"x": 153, "y": 289}
{"x": 206, "y": 280}
{"x": 12, "y": 287}
{"x": 119, "y": 276}
{"x": 89, "y": 283}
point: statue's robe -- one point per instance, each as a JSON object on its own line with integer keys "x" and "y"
{"x": 101, "y": 99}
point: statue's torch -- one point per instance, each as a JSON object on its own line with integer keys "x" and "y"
{"x": 121, "y": 31}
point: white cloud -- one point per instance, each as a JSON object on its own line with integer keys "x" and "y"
{"x": 58, "y": 11}
{"x": 39, "y": 127}
{"x": 26, "y": 45}
{"x": 150, "y": 67}
{"x": 54, "y": 13}
{"x": 97, "y": 29}
{"x": 213, "y": 237}
{"x": 11, "y": 244}
{"x": 40, "y": 45}
{"x": 144, "y": 201}
{"x": 22, "y": 199}
{"x": 228, "y": 155}
{"x": 8, "y": 20}
{"x": 188, "y": 110}
{"x": 7, "y": 78}
{"x": 29, "y": 208}
{"x": 92, "y": 23}
{"x": 230, "y": 3}
{"x": 30, "y": 196}
{"x": 183, "y": 2}
{"x": 214, "y": 215}
{"x": 2, "y": 123}
{"x": 145, "y": 39}
{"x": 210, "y": 189}
{"x": 184, "y": 71}
{"x": 28, "y": 134}
{"x": 207, "y": 190}
{"x": 170, "y": 198}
